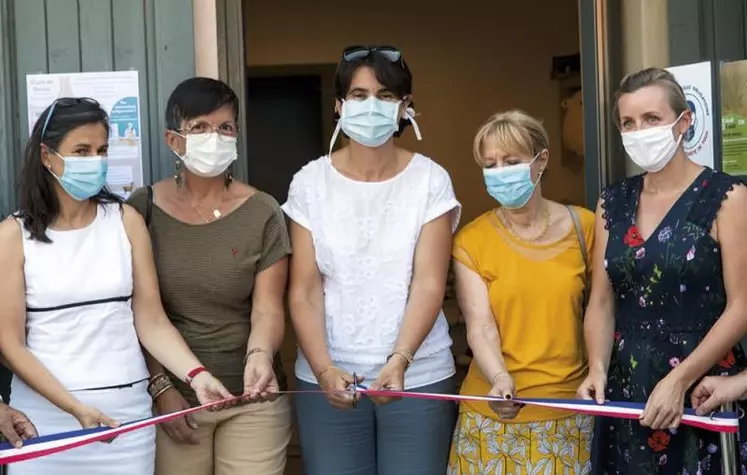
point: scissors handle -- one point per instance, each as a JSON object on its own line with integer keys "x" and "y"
{"x": 356, "y": 396}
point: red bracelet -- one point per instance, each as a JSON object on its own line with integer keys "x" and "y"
{"x": 191, "y": 375}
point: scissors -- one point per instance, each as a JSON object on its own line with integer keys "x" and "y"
{"x": 356, "y": 394}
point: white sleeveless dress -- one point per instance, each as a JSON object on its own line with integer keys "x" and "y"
{"x": 79, "y": 324}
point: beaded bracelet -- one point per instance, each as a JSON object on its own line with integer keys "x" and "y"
{"x": 163, "y": 390}
{"x": 158, "y": 385}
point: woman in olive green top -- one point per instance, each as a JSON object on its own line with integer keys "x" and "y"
{"x": 221, "y": 250}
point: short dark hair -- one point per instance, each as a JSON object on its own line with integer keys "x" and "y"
{"x": 394, "y": 75}
{"x": 39, "y": 205}
{"x": 199, "y": 96}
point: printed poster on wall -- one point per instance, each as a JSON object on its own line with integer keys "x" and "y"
{"x": 733, "y": 116}
{"x": 118, "y": 92}
{"x": 695, "y": 80}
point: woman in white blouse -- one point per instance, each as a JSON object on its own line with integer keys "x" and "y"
{"x": 371, "y": 230}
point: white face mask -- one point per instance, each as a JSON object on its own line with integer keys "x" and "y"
{"x": 652, "y": 149}
{"x": 209, "y": 155}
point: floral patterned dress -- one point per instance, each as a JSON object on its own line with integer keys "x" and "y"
{"x": 669, "y": 292}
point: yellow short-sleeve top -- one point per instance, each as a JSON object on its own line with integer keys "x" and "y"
{"x": 536, "y": 295}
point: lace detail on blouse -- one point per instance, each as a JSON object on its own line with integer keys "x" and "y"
{"x": 365, "y": 234}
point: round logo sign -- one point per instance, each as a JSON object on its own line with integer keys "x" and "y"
{"x": 697, "y": 135}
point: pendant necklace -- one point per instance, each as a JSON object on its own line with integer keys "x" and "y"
{"x": 216, "y": 213}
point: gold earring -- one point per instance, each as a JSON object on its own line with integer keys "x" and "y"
{"x": 178, "y": 173}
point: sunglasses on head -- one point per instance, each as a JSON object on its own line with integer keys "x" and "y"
{"x": 65, "y": 102}
{"x": 354, "y": 53}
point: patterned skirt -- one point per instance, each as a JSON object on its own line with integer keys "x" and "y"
{"x": 483, "y": 446}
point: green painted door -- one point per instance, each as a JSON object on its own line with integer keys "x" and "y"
{"x": 154, "y": 37}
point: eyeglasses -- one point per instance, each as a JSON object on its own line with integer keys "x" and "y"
{"x": 65, "y": 102}
{"x": 354, "y": 53}
{"x": 201, "y": 130}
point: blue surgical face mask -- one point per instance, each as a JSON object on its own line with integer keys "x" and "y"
{"x": 512, "y": 185}
{"x": 83, "y": 177}
{"x": 371, "y": 122}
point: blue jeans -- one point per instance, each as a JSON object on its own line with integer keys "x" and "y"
{"x": 405, "y": 437}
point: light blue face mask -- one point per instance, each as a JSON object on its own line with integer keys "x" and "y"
{"x": 371, "y": 122}
{"x": 512, "y": 185}
{"x": 83, "y": 177}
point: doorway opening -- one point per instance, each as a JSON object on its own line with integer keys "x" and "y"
{"x": 469, "y": 60}
{"x": 289, "y": 121}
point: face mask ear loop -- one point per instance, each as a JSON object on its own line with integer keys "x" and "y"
{"x": 541, "y": 172}
{"x": 679, "y": 138}
{"x": 180, "y": 157}
{"x": 337, "y": 127}
{"x": 410, "y": 115}
{"x": 49, "y": 168}
{"x": 334, "y": 137}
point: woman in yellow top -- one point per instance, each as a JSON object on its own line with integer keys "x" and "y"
{"x": 521, "y": 278}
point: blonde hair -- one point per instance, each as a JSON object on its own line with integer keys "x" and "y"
{"x": 516, "y": 132}
{"x": 652, "y": 77}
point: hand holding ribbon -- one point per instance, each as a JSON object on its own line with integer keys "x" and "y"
{"x": 503, "y": 387}
{"x": 593, "y": 387}
{"x": 15, "y": 426}
{"x": 208, "y": 390}
{"x": 181, "y": 429}
{"x": 260, "y": 382}
{"x": 335, "y": 383}
{"x": 713, "y": 391}
{"x": 665, "y": 405}
{"x": 391, "y": 377}
{"x": 89, "y": 417}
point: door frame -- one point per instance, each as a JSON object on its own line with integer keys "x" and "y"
{"x": 10, "y": 150}
{"x": 232, "y": 68}
{"x": 601, "y": 69}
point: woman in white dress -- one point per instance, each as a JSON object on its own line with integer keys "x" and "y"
{"x": 371, "y": 229}
{"x": 78, "y": 297}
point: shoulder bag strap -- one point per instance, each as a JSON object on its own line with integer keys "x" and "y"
{"x": 149, "y": 206}
{"x": 584, "y": 252}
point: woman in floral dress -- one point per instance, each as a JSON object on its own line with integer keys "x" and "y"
{"x": 671, "y": 306}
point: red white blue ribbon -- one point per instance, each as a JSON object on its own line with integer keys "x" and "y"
{"x": 53, "y": 443}
{"x": 50, "y": 444}
{"x": 716, "y": 422}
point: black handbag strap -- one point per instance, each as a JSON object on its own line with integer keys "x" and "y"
{"x": 149, "y": 206}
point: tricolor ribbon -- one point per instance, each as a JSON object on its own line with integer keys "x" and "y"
{"x": 716, "y": 422}
{"x": 50, "y": 444}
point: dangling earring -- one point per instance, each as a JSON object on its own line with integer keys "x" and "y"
{"x": 178, "y": 173}
{"x": 228, "y": 177}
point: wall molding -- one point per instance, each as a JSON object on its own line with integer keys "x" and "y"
{"x": 10, "y": 151}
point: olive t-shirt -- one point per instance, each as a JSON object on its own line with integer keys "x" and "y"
{"x": 206, "y": 276}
